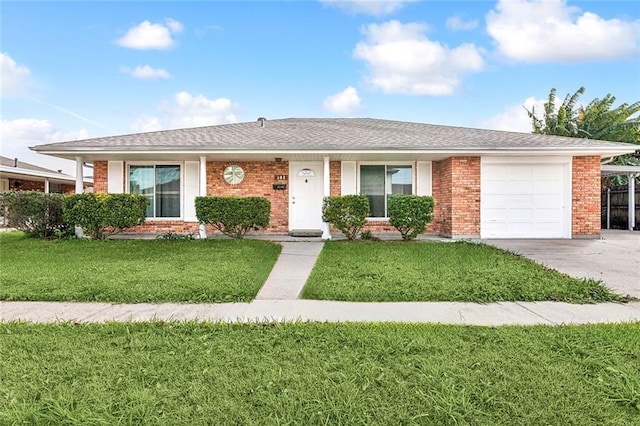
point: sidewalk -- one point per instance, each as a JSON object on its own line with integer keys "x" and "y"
{"x": 278, "y": 301}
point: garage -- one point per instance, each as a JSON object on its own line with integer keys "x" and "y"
{"x": 525, "y": 198}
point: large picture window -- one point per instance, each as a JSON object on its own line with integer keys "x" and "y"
{"x": 378, "y": 182}
{"x": 160, "y": 184}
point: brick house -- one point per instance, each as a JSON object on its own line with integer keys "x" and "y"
{"x": 485, "y": 183}
{"x": 21, "y": 176}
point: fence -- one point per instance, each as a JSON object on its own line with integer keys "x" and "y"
{"x": 618, "y": 197}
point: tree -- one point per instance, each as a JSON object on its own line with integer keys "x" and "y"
{"x": 598, "y": 120}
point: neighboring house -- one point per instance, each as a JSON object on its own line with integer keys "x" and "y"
{"x": 485, "y": 183}
{"x": 21, "y": 176}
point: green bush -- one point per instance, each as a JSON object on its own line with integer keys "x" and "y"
{"x": 100, "y": 215}
{"x": 234, "y": 216}
{"x": 348, "y": 213}
{"x": 37, "y": 214}
{"x": 410, "y": 214}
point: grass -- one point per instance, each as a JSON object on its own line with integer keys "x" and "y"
{"x": 319, "y": 373}
{"x": 133, "y": 271}
{"x": 434, "y": 271}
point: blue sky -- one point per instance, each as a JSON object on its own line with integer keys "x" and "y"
{"x": 74, "y": 70}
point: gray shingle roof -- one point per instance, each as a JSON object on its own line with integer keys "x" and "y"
{"x": 339, "y": 134}
{"x": 10, "y": 162}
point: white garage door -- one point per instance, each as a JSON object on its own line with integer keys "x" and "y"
{"x": 520, "y": 198}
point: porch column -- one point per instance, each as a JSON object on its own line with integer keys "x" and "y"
{"x": 203, "y": 190}
{"x": 46, "y": 185}
{"x": 631, "y": 186}
{"x": 79, "y": 190}
{"x": 79, "y": 180}
{"x": 326, "y": 234}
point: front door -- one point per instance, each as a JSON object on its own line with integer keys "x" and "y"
{"x": 305, "y": 195}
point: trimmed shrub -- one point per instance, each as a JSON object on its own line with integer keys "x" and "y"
{"x": 410, "y": 214}
{"x": 100, "y": 215}
{"x": 35, "y": 213}
{"x": 234, "y": 216}
{"x": 348, "y": 213}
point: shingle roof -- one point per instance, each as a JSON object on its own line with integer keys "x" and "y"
{"x": 339, "y": 134}
{"x": 11, "y": 162}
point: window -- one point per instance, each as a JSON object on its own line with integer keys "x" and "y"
{"x": 378, "y": 182}
{"x": 160, "y": 184}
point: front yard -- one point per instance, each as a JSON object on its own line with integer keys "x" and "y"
{"x": 319, "y": 373}
{"x": 133, "y": 271}
{"x": 436, "y": 271}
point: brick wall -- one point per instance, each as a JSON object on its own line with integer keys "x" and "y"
{"x": 585, "y": 197}
{"x": 456, "y": 191}
{"x": 258, "y": 181}
{"x": 100, "y": 176}
{"x": 441, "y": 190}
{"x": 26, "y": 185}
{"x": 335, "y": 168}
{"x": 465, "y": 196}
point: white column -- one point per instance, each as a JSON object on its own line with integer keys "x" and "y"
{"x": 326, "y": 234}
{"x": 203, "y": 190}
{"x": 46, "y": 186}
{"x": 632, "y": 200}
{"x": 79, "y": 180}
{"x": 79, "y": 190}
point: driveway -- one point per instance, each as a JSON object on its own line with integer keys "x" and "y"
{"x": 614, "y": 259}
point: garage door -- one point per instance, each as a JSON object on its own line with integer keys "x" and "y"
{"x": 520, "y": 198}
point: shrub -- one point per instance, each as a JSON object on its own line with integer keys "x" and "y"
{"x": 100, "y": 215}
{"x": 348, "y": 213}
{"x": 37, "y": 214}
{"x": 234, "y": 216}
{"x": 410, "y": 214}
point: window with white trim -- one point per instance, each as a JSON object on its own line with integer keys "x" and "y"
{"x": 379, "y": 181}
{"x": 160, "y": 183}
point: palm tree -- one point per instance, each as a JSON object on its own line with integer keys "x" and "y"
{"x": 598, "y": 120}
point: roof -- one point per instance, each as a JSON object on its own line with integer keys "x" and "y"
{"x": 615, "y": 170}
{"x": 14, "y": 162}
{"x": 17, "y": 169}
{"x": 332, "y": 135}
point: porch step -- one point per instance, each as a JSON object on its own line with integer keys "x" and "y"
{"x": 305, "y": 233}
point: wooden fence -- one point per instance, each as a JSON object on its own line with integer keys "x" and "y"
{"x": 619, "y": 208}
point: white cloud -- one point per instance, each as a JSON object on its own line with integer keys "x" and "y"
{"x": 187, "y": 110}
{"x": 402, "y": 59}
{"x": 515, "y": 118}
{"x": 549, "y": 30}
{"x": 146, "y": 72}
{"x": 151, "y": 36}
{"x": 456, "y": 23}
{"x": 147, "y": 123}
{"x": 346, "y": 102}
{"x": 367, "y": 7}
{"x": 15, "y": 78}
{"x": 18, "y": 135}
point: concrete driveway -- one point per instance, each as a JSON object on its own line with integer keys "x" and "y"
{"x": 614, "y": 259}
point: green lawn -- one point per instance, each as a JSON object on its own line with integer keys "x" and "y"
{"x": 319, "y": 373}
{"x": 434, "y": 271}
{"x": 133, "y": 271}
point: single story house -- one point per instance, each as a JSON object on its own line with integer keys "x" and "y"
{"x": 486, "y": 183}
{"x": 21, "y": 176}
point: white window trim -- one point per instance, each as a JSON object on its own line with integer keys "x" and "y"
{"x": 159, "y": 163}
{"x": 386, "y": 163}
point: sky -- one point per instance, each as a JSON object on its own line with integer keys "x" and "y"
{"x": 76, "y": 70}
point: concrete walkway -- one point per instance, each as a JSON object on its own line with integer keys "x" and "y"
{"x": 291, "y": 271}
{"x": 491, "y": 314}
{"x": 278, "y": 301}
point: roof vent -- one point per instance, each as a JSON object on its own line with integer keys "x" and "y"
{"x": 15, "y": 162}
{"x": 261, "y": 120}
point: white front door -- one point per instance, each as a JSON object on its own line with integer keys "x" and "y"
{"x": 305, "y": 195}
